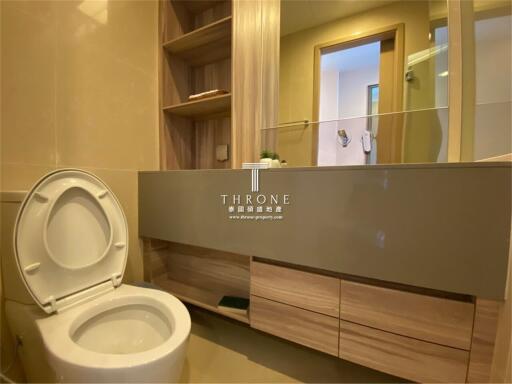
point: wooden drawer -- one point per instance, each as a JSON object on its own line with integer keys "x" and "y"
{"x": 304, "y": 327}
{"x": 438, "y": 320}
{"x": 301, "y": 289}
{"x": 402, "y": 356}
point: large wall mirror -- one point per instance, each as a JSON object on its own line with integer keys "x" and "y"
{"x": 367, "y": 82}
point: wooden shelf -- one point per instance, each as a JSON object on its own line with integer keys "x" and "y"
{"x": 199, "y": 109}
{"x": 196, "y": 296}
{"x": 203, "y": 45}
{"x": 195, "y": 56}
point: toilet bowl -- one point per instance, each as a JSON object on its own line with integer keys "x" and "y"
{"x": 70, "y": 245}
{"x": 129, "y": 334}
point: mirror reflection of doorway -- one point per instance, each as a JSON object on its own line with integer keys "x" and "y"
{"x": 356, "y": 79}
{"x": 345, "y": 77}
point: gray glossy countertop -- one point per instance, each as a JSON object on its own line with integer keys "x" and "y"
{"x": 438, "y": 226}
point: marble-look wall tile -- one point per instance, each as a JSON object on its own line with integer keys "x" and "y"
{"x": 79, "y": 89}
{"x": 21, "y": 177}
{"x": 28, "y": 87}
{"x": 106, "y": 111}
{"x": 107, "y": 114}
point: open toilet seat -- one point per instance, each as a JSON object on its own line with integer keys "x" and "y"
{"x": 70, "y": 239}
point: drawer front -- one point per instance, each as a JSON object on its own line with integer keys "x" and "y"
{"x": 438, "y": 320}
{"x": 401, "y": 356}
{"x": 308, "y": 328}
{"x": 301, "y": 289}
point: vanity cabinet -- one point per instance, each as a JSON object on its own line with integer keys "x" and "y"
{"x": 420, "y": 335}
{"x": 424, "y": 298}
{"x": 301, "y": 289}
{"x": 402, "y": 356}
{"x": 301, "y": 326}
{"x": 296, "y": 305}
{"x": 429, "y": 318}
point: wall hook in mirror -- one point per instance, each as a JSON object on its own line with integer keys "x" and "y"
{"x": 344, "y": 137}
{"x": 409, "y": 75}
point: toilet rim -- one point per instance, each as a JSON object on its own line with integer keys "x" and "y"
{"x": 60, "y": 344}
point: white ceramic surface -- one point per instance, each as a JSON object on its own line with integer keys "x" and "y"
{"x": 131, "y": 334}
{"x": 267, "y": 160}
{"x": 276, "y": 163}
{"x": 71, "y": 234}
{"x": 21, "y": 319}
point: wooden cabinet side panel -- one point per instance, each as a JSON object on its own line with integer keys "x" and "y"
{"x": 270, "y": 76}
{"x": 255, "y": 92}
{"x": 438, "y": 320}
{"x": 310, "y": 329}
{"x": 246, "y": 108}
{"x": 301, "y": 289}
{"x": 483, "y": 340}
{"x": 402, "y": 356}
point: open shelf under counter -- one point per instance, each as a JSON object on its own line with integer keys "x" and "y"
{"x": 215, "y": 106}
{"x": 197, "y": 296}
{"x": 203, "y": 45}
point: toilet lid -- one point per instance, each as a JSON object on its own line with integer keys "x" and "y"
{"x": 70, "y": 236}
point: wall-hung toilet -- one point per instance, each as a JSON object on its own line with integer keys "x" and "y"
{"x": 70, "y": 249}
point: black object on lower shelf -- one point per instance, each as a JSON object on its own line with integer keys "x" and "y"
{"x": 234, "y": 304}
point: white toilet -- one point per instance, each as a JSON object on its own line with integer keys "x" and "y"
{"x": 70, "y": 247}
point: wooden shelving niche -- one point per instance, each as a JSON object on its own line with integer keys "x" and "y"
{"x": 203, "y": 45}
{"x": 211, "y": 45}
{"x": 196, "y": 57}
{"x": 196, "y": 275}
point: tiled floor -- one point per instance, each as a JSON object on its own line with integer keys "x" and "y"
{"x": 221, "y": 350}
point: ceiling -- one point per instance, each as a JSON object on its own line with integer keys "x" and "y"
{"x": 488, "y": 30}
{"x": 297, "y": 15}
{"x": 351, "y": 59}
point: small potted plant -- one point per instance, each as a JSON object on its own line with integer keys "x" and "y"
{"x": 266, "y": 157}
{"x": 271, "y": 158}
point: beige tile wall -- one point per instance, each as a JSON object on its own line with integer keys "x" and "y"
{"x": 79, "y": 89}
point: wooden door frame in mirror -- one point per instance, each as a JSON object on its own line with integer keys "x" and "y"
{"x": 395, "y": 32}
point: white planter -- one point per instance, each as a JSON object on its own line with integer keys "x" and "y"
{"x": 267, "y": 160}
{"x": 276, "y": 163}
